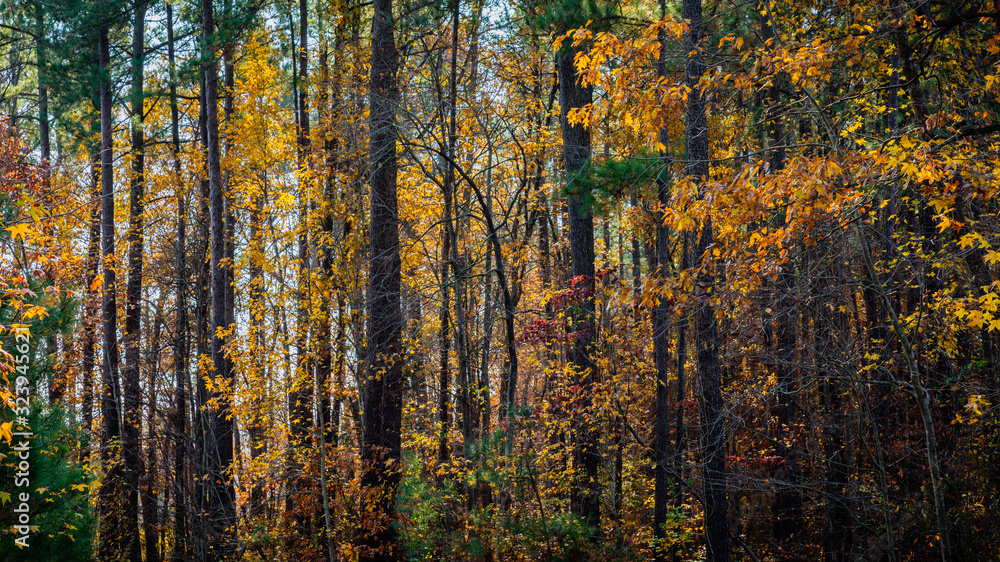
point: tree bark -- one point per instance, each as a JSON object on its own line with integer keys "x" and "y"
{"x": 221, "y": 495}
{"x": 661, "y": 329}
{"x": 132, "y": 397}
{"x": 383, "y": 385}
{"x": 576, "y": 153}
{"x": 709, "y": 375}
{"x": 112, "y": 535}
{"x": 179, "y": 420}
{"x": 93, "y": 266}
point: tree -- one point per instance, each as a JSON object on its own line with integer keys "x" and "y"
{"x": 131, "y": 393}
{"x": 113, "y": 532}
{"x": 221, "y": 495}
{"x": 383, "y": 388}
{"x": 709, "y": 375}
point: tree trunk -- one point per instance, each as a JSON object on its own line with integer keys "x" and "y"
{"x": 221, "y": 495}
{"x": 132, "y": 398}
{"x": 179, "y": 420}
{"x": 661, "y": 329}
{"x": 383, "y": 388}
{"x": 786, "y": 510}
{"x": 93, "y": 266}
{"x": 576, "y": 153}
{"x": 150, "y": 515}
{"x": 197, "y": 534}
{"x": 709, "y": 376}
{"x": 41, "y": 56}
{"x": 300, "y": 397}
{"x": 112, "y": 534}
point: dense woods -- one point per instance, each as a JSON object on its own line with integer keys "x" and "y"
{"x": 488, "y": 280}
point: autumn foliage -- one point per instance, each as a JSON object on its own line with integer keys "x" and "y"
{"x": 455, "y": 320}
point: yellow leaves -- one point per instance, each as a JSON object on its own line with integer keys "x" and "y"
{"x": 35, "y": 312}
{"x": 944, "y": 223}
{"x": 989, "y": 302}
{"x": 736, "y": 41}
{"x": 21, "y": 331}
{"x": 983, "y": 314}
{"x": 976, "y": 403}
{"x": 972, "y": 239}
{"x": 6, "y": 433}
{"x": 992, "y": 257}
{"x": 19, "y": 231}
{"x": 974, "y": 409}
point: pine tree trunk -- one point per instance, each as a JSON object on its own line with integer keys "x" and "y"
{"x": 258, "y": 416}
{"x": 221, "y": 495}
{"x": 709, "y": 375}
{"x": 661, "y": 329}
{"x": 132, "y": 398}
{"x": 197, "y": 534}
{"x": 150, "y": 514}
{"x": 90, "y": 304}
{"x": 179, "y": 418}
{"x": 383, "y": 388}
{"x": 576, "y": 152}
{"x": 112, "y": 490}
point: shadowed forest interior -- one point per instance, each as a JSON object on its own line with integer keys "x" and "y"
{"x": 495, "y": 280}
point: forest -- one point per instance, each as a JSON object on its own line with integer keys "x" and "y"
{"x": 495, "y": 280}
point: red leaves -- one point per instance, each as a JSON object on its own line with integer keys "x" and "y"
{"x": 540, "y": 331}
{"x": 770, "y": 462}
{"x": 548, "y": 331}
{"x": 569, "y": 402}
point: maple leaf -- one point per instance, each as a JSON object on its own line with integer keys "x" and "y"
{"x": 19, "y": 230}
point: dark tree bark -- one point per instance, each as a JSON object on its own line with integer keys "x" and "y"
{"x": 324, "y": 248}
{"x": 661, "y": 329}
{"x": 111, "y": 533}
{"x": 709, "y": 374}
{"x": 636, "y": 260}
{"x": 41, "y": 55}
{"x": 90, "y": 300}
{"x": 576, "y": 153}
{"x": 147, "y": 482}
{"x": 229, "y": 242}
{"x": 179, "y": 419}
{"x": 258, "y": 417}
{"x": 221, "y": 495}
{"x": 786, "y": 510}
{"x": 383, "y": 388}
{"x": 838, "y": 537}
{"x": 300, "y": 397}
{"x": 132, "y": 397}
{"x": 197, "y": 534}
{"x": 444, "y": 334}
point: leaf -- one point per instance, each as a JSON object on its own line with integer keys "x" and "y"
{"x": 19, "y": 231}
{"x": 4, "y": 498}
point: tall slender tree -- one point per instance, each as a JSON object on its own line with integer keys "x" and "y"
{"x": 112, "y": 536}
{"x": 131, "y": 392}
{"x": 576, "y": 156}
{"x": 221, "y": 495}
{"x": 383, "y": 384}
{"x": 709, "y": 372}
{"x": 181, "y": 376}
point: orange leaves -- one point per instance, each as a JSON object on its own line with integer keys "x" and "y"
{"x": 19, "y": 231}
